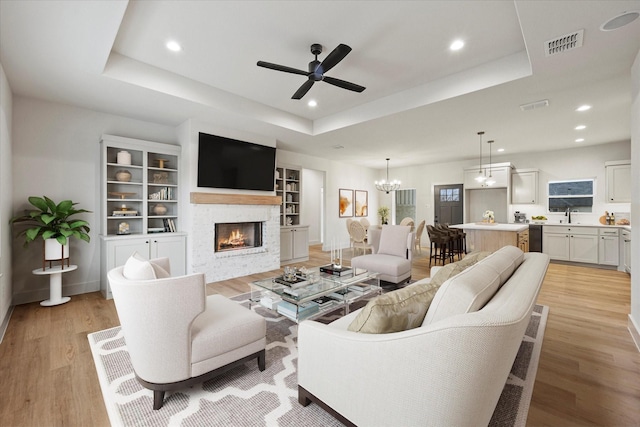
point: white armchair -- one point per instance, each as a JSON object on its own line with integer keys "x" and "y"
{"x": 176, "y": 335}
{"x": 392, "y": 253}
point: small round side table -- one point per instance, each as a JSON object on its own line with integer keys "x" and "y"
{"x": 55, "y": 283}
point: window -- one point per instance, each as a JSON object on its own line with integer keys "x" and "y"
{"x": 449, "y": 194}
{"x": 405, "y": 204}
{"x": 576, "y": 195}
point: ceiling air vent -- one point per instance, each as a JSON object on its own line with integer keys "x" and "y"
{"x": 534, "y": 105}
{"x": 563, "y": 43}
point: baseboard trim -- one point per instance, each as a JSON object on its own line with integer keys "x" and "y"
{"x": 5, "y": 323}
{"x": 634, "y": 330}
{"x": 67, "y": 290}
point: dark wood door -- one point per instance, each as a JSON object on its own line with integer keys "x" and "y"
{"x": 448, "y": 204}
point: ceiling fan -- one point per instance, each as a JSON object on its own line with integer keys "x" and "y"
{"x": 317, "y": 70}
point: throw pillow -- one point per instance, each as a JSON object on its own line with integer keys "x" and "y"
{"x": 450, "y": 270}
{"x": 395, "y": 311}
{"x": 138, "y": 268}
{"x": 393, "y": 240}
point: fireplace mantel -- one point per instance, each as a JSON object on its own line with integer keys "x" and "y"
{"x": 234, "y": 199}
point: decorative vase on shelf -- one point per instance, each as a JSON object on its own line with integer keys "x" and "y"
{"x": 124, "y": 158}
{"x": 159, "y": 209}
{"x": 123, "y": 175}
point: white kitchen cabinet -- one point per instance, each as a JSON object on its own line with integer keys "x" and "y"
{"x": 501, "y": 173}
{"x": 294, "y": 244}
{"x": 618, "y": 181}
{"x": 524, "y": 187}
{"x": 626, "y": 247}
{"x": 577, "y": 244}
{"x": 609, "y": 247}
{"x": 116, "y": 250}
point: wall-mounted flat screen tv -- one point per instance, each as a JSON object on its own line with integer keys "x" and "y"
{"x": 233, "y": 164}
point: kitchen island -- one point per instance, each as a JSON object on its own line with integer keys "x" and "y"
{"x": 483, "y": 236}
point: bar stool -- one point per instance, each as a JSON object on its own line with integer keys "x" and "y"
{"x": 440, "y": 245}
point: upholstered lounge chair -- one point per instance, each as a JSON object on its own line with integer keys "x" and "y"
{"x": 392, "y": 253}
{"x": 176, "y": 335}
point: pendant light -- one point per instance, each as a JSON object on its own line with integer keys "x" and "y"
{"x": 386, "y": 185}
{"x": 480, "y": 177}
{"x": 490, "y": 181}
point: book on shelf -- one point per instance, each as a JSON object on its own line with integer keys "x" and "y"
{"x": 169, "y": 225}
{"x": 292, "y": 311}
{"x": 324, "y": 301}
{"x": 360, "y": 287}
{"x": 125, "y": 213}
{"x": 331, "y": 269}
{"x": 296, "y": 283}
{"x": 343, "y": 294}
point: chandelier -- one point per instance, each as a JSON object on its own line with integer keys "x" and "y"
{"x": 386, "y": 185}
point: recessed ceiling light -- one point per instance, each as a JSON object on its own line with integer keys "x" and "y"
{"x": 457, "y": 45}
{"x": 173, "y": 46}
{"x": 500, "y": 150}
{"x": 580, "y": 140}
{"x": 338, "y": 147}
{"x": 620, "y": 21}
{"x": 583, "y": 108}
{"x": 312, "y": 103}
{"x": 580, "y": 127}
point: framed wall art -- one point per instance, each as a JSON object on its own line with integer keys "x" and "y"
{"x": 362, "y": 203}
{"x": 345, "y": 203}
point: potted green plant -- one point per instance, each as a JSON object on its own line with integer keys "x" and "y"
{"x": 54, "y": 223}
{"x": 383, "y": 213}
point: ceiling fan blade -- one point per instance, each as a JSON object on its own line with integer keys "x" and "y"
{"x": 302, "y": 91}
{"x": 335, "y": 57}
{"x": 343, "y": 84}
{"x": 282, "y": 68}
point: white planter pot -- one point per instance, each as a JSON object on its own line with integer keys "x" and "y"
{"x": 53, "y": 250}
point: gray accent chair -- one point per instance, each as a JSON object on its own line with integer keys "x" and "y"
{"x": 176, "y": 335}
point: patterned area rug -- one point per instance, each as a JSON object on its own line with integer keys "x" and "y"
{"x": 244, "y": 396}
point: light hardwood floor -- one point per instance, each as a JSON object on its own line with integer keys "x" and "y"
{"x": 589, "y": 372}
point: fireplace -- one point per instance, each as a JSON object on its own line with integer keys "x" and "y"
{"x": 231, "y": 236}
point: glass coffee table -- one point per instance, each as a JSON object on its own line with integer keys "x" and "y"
{"x": 315, "y": 293}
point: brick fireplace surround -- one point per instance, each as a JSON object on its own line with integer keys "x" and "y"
{"x": 211, "y": 208}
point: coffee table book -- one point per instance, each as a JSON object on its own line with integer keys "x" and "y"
{"x": 331, "y": 269}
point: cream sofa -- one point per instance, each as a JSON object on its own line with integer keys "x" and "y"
{"x": 448, "y": 371}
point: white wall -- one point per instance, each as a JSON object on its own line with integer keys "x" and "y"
{"x": 56, "y": 153}
{"x": 6, "y": 183}
{"x": 634, "y": 317}
{"x": 313, "y": 202}
{"x": 338, "y": 175}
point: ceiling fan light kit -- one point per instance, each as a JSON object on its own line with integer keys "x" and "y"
{"x": 317, "y": 70}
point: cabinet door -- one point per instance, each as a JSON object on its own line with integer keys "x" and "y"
{"x": 286, "y": 244}
{"x": 609, "y": 250}
{"x": 172, "y": 247}
{"x": 470, "y": 179}
{"x": 618, "y": 187}
{"x": 121, "y": 250}
{"x": 300, "y": 242}
{"x": 627, "y": 252}
{"x": 500, "y": 176}
{"x": 556, "y": 246}
{"x": 584, "y": 248}
{"x": 524, "y": 188}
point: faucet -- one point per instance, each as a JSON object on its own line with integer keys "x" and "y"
{"x": 568, "y": 214}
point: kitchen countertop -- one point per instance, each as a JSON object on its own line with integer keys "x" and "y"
{"x": 495, "y": 226}
{"x": 575, "y": 224}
